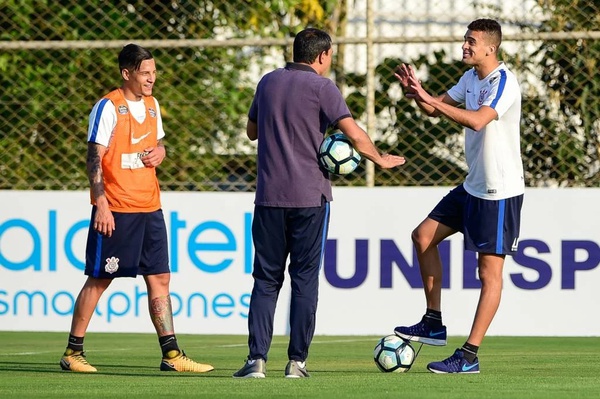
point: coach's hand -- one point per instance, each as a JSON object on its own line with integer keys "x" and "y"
{"x": 388, "y": 161}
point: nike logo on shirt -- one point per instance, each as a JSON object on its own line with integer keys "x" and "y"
{"x": 137, "y": 140}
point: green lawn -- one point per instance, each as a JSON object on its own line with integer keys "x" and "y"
{"x": 340, "y": 367}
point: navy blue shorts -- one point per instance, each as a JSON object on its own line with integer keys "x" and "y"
{"x": 138, "y": 246}
{"x": 489, "y": 226}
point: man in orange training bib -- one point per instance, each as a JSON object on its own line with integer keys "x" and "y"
{"x": 127, "y": 233}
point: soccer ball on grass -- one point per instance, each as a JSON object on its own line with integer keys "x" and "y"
{"x": 393, "y": 354}
{"x": 337, "y": 155}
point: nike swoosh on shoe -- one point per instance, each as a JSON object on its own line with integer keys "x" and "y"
{"x": 469, "y": 367}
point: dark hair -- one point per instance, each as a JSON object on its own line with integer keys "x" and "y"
{"x": 490, "y": 27}
{"x": 131, "y": 56}
{"x": 309, "y": 43}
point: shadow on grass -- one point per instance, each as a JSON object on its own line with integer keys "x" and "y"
{"x": 54, "y": 368}
{"x": 153, "y": 371}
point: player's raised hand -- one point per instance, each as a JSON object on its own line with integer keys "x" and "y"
{"x": 417, "y": 91}
{"x": 402, "y": 73}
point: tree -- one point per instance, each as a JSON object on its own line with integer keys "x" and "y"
{"x": 561, "y": 106}
{"x": 204, "y": 92}
{"x": 562, "y": 114}
{"x": 432, "y": 146}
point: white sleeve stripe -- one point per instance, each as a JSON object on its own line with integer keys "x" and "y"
{"x": 95, "y": 118}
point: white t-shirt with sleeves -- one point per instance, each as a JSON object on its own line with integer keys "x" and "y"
{"x": 103, "y": 119}
{"x": 493, "y": 153}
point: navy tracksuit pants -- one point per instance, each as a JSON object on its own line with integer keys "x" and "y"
{"x": 277, "y": 233}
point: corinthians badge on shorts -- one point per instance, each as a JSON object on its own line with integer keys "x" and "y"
{"x": 112, "y": 265}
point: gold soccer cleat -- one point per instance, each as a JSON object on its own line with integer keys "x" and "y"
{"x": 75, "y": 361}
{"x": 178, "y": 361}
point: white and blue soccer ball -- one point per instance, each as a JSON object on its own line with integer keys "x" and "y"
{"x": 393, "y": 354}
{"x": 337, "y": 155}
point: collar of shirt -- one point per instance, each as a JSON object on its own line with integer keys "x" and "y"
{"x": 300, "y": 67}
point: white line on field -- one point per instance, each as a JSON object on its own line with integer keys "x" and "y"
{"x": 336, "y": 341}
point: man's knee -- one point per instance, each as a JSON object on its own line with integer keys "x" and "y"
{"x": 420, "y": 239}
{"x": 97, "y": 284}
{"x": 158, "y": 280}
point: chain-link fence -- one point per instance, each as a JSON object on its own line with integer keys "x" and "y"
{"x": 58, "y": 58}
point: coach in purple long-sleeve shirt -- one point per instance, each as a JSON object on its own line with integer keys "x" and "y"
{"x": 292, "y": 109}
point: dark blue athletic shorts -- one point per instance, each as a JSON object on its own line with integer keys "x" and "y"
{"x": 489, "y": 226}
{"x": 138, "y": 246}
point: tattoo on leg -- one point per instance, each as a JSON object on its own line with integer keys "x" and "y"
{"x": 161, "y": 314}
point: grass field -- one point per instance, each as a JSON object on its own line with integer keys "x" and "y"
{"x": 340, "y": 367}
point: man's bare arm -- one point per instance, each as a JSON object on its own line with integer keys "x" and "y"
{"x": 104, "y": 222}
{"x": 95, "y": 153}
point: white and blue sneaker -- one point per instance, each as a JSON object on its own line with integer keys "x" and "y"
{"x": 423, "y": 332}
{"x": 455, "y": 364}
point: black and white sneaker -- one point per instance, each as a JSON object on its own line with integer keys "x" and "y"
{"x": 295, "y": 369}
{"x": 255, "y": 368}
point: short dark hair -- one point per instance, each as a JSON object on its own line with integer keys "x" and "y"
{"x": 490, "y": 27}
{"x": 309, "y": 43}
{"x": 131, "y": 57}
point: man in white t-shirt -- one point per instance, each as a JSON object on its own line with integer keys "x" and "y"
{"x": 486, "y": 208}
